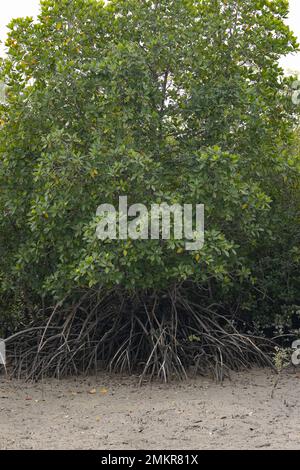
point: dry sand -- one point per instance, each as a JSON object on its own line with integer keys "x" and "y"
{"x": 112, "y": 412}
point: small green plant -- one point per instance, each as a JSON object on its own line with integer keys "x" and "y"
{"x": 282, "y": 358}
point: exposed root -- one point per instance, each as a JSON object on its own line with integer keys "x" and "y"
{"x": 160, "y": 336}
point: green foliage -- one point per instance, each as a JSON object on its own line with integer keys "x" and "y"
{"x": 170, "y": 101}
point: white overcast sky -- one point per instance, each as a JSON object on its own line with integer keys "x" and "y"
{"x": 14, "y": 8}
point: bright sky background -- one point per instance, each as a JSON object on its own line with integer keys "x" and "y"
{"x": 15, "y": 8}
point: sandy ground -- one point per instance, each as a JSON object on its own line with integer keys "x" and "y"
{"x": 113, "y": 413}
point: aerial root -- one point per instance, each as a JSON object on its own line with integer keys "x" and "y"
{"x": 160, "y": 336}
